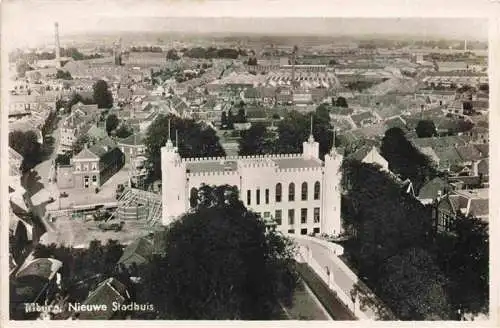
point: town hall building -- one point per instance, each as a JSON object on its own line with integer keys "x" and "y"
{"x": 299, "y": 192}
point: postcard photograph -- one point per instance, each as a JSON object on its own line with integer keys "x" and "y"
{"x": 239, "y": 168}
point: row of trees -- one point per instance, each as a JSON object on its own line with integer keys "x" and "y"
{"x": 194, "y": 140}
{"x": 419, "y": 275}
{"x": 146, "y": 49}
{"x": 292, "y": 131}
{"x": 228, "y": 119}
{"x": 211, "y": 52}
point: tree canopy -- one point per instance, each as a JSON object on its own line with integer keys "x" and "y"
{"x": 294, "y": 129}
{"x": 102, "y": 96}
{"x": 112, "y": 122}
{"x": 64, "y": 75}
{"x": 195, "y": 140}
{"x": 426, "y": 129}
{"x": 221, "y": 263}
{"x": 463, "y": 255}
{"x": 26, "y": 144}
{"x": 256, "y": 141}
{"x": 124, "y": 131}
{"x": 405, "y": 159}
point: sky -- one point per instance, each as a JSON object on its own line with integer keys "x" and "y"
{"x": 26, "y": 21}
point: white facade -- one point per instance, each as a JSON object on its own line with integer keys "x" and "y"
{"x": 309, "y": 200}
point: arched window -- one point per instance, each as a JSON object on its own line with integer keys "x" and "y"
{"x": 193, "y": 197}
{"x": 304, "y": 191}
{"x": 291, "y": 192}
{"x": 278, "y": 192}
{"x": 316, "y": 190}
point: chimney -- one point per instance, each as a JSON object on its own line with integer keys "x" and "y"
{"x": 57, "y": 45}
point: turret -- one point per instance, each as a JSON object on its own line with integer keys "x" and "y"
{"x": 331, "y": 223}
{"x": 310, "y": 148}
{"x": 174, "y": 184}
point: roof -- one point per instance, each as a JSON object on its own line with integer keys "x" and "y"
{"x": 298, "y": 162}
{"x": 469, "y": 153}
{"x": 483, "y": 167}
{"x": 484, "y": 149}
{"x": 431, "y": 189}
{"x": 361, "y": 153}
{"x": 133, "y": 140}
{"x": 448, "y": 155}
{"x": 479, "y": 207}
{"x": 138, "y": 252}
{"x": 86, "y": 153}
{"x": 97, "y": 132}
{"x": 108, "y": 292}
{"x": 212, "y": 166}
{"x": 396, "y": 122}
{"x": 435, "y": 142}
{"x": 44, "y": 267}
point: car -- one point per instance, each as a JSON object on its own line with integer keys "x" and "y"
{"x": 63, "y": 195}
{"x": 51, "y": 200}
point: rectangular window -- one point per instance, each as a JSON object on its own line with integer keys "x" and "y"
{"x": 303, "y": 231}
{"x": 257, "y": 197}
{"x": 316, "y": 215}
{"x": 303, "y": 215}
{"x": 249, "y": 197}
{"x": 267, "y": 214}
{"x": 277, "y": 217}
{"x": 291, "y": 216}
{"x": 316, "y": 230}
{"x": 259, "y": 214}
{"x": 267, "y": 196}
{"x": 291, "y": 230}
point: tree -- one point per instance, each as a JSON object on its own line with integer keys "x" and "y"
{"x": 172, "y": 55}
{"x": 223, "y": 120}
{"x": 231, "y": 120}
{"x": 26, "y": 144}
{"x": 111, "y": 123}
{"x": 406, "y": 160}
{"x": 80, "y": 143}
{"x": 235, "y": 269}
{"x": 64, "y": 75}
{"x": 463, "y": 255}
{"x": 195, "y": 140}
{"x": 102, "y": 96}
{"x": 22, "y": 68}
{"x": 295, "y": 128}
{"x": 414, "y": 287}
{"x": 241, "y": 117}
{"x": 341, "y": 102}
{"x": 426, "y": 129}
{"x": 256, "y": 141}
{"x": 124, "y": 131}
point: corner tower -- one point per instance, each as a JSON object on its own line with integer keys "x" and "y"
{"x": 331, "y": 222}
{"x": 173, "y": 183}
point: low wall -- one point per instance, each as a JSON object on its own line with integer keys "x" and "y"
{"x": 323, "y": 258}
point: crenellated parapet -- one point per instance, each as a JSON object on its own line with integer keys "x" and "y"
{"x": 301, "y": 169}
{"x": 212, "y": 174}
{"x": 239, "y": 158}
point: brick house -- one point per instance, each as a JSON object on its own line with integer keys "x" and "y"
{"x": 92, "y": 167}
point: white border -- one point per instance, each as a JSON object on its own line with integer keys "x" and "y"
{"x": 269, "y": 8}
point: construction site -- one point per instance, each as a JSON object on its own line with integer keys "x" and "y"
{"x": 135, "y": 214}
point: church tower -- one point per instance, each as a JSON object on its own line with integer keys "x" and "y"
{"x": 174, "y": 184}
{"x": 331, "y": 222}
